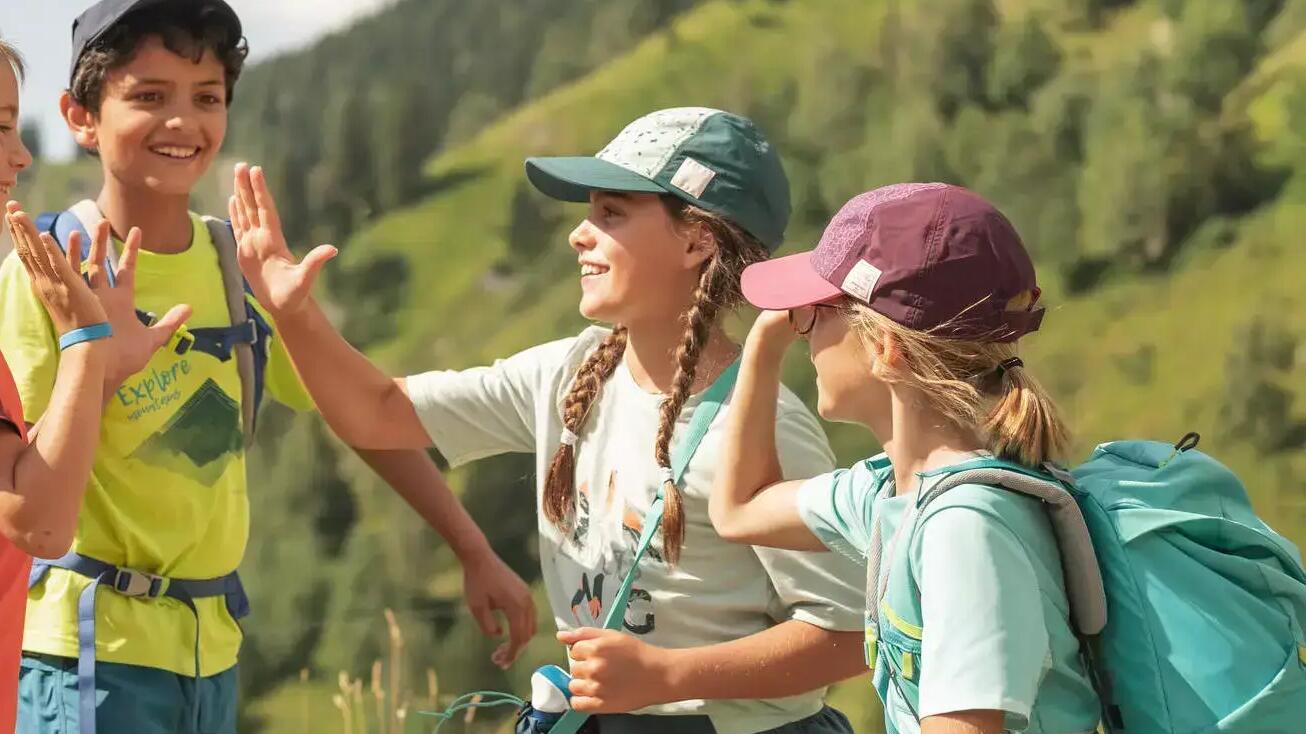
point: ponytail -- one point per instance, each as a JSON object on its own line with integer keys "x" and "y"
{"x": 977, "y": 385}
{"x": 1024, "y": 425}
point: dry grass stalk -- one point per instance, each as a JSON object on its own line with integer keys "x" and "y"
{"x": 342, "y": 702}
{"x": 356, "y": 690}
{"x": 378, "y": 693}
{"x": 396, "y": 665}
{"x": 470, "y": 716}
{"x": 305, "y": 714}
{"x": 432, "y": 687}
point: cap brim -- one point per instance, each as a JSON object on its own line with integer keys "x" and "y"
{"x": 572, "y": 178}
{"x": 786, "y": 282}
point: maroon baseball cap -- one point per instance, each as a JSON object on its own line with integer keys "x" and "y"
{"x": 930, "y": 256}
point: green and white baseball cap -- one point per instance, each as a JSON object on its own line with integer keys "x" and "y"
{"x": 712, "y": 159}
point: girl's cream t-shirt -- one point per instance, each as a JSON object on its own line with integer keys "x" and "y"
{"x": 719, "y": 591}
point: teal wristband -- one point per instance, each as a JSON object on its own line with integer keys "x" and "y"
{"x": 85, "y": 334}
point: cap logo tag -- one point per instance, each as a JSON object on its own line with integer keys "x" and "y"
{"x": 861, "y": 280}
{"x": 693, "y": 178}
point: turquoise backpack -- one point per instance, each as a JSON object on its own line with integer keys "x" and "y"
{"x": 1189, "y": 608}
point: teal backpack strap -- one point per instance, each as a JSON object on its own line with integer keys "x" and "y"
{"x": 1051, "y": 486}
{"x": 713, "y": 400}
{"x": 1085, "y": 589}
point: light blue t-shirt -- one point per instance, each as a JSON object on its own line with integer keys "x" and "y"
{"x": 981, "y": 619}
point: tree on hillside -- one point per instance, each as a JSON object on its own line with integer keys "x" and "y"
{"x": 942, "y": 49}
{"x": 1123, "y": 187}
{"x": 344, "y": 181}
{"x": 1024, "y": 58}
{"x": 1258, "y": 406}
{"x": 1213, "y": 49}
{"x": 403, "y": 136}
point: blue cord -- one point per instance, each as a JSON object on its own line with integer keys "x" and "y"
{"x": 464, "y": 702}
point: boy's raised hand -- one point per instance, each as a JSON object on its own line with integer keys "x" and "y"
{"x": 280, "y": 282}
{"x": 134, "y": 342}
{"x": 74, "y": 302}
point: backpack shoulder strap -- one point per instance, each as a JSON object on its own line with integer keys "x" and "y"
{"x": 1084, "y": 584}
{"x": 82, "y": 217}
{"x": 239, "y": 310}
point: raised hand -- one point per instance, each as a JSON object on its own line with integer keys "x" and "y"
{"x": 772, "y": 333}
{"x": 279, "y": 281}
{"x": 74, "y": 302}
{"x": 134, "y": 343}
{"x": 56, "y": 278}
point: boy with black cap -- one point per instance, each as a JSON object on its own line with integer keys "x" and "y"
{"x": 135, "y": 630}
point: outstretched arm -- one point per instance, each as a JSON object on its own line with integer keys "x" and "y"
{"x": 364, "y": 406}
{"x": 489, "y": 585}
{"x": 751, "y": 502}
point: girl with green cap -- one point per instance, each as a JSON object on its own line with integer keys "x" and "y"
{"x": 722, "y": 637}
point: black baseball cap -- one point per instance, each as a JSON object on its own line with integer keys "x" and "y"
{"x": 98, "y": 19}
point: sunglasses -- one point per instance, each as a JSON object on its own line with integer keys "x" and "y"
{"x": 803, "y": 318}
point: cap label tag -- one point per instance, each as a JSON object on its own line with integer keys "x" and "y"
{"x": 693, "y": 178}
{"x": 861, "y": 280}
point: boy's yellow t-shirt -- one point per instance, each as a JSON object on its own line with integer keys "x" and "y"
{"x": 167, "y": 493}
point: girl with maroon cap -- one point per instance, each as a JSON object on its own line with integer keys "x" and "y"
{"x": 913, "y": 303}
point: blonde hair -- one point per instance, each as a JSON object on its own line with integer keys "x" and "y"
{"x": 10, "y": 55}
{"x": 717, "y": 292}
{"x": 966, "y": 381}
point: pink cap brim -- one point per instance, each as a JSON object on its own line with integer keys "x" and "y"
{"x": 786, "y": 282}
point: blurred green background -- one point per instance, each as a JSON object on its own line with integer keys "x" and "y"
{"x": 1152, "y": 153}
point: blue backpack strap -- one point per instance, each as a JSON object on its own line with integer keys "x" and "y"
{"x": 61, "y": 225}
{"x": 264, "y": 332}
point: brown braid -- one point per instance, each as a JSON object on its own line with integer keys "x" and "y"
{"x": 559, "y": 485}
{"x": 718, "y": 290}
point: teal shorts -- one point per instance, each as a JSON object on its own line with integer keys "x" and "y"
{"x": 129, "y": 698}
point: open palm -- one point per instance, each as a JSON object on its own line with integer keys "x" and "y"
{"x": 73, "y": 301}
{"x": 279, "y": 281}
{"x": 134, "y": 342}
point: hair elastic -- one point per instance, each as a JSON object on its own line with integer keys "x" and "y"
{"x": 569, "y": 437}
{"x": 665, "y": 474}
{"x": 1008, "y": 365}
{"x": 90, "y": 333}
